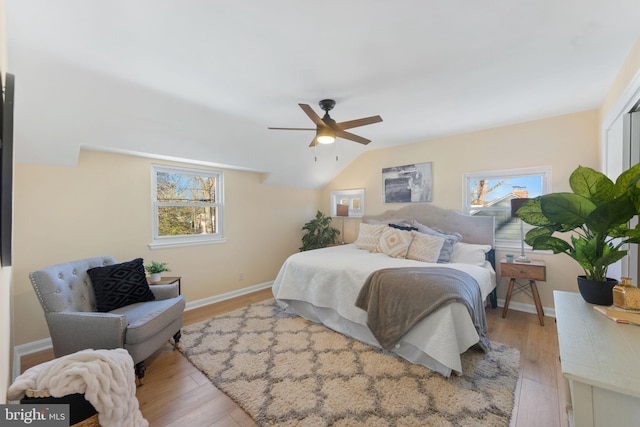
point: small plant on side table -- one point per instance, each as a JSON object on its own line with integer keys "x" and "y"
{"x": 155, "y": 270}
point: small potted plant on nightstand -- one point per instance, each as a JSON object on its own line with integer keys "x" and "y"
{"x": 155, "y": 270}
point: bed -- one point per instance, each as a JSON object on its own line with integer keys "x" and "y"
{"x": 322, "y": 286}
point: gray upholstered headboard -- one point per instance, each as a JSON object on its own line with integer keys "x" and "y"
{"x": 474, "y": 229}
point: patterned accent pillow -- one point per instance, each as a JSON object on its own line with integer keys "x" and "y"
{"x": 118, "y": 285}
{"x": 425, "y": 247}
{"x": 468, "y": 253}
{"x": 394, "y": 243}
{"x": 450, "y": 239}
{"x": 369, "y": 235}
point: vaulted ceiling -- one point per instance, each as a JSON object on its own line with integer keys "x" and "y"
{"x": 202, "y": 80}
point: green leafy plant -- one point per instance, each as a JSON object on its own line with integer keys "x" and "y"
{"x": 319, "y": 234}
{"x": 597, "y": 212}
{"x": 156, "y": 267}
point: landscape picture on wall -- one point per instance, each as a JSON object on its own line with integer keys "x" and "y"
{"x": 408, "y": 183}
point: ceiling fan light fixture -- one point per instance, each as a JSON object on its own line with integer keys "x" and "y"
{"x": 327, "y": 129}
{"x": 325, "y": 136}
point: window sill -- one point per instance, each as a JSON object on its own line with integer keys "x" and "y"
{"x": 183, "y": 243}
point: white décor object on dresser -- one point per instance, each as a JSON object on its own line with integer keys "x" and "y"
{"x": 600, "y": 364}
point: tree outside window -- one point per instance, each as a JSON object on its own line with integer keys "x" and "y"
{"x": 187, "y": 205}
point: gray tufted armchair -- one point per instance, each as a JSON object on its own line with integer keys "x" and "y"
{"x": 67, "y": 297}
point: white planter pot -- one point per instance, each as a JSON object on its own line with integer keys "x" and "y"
{"x": 155, "y": 277}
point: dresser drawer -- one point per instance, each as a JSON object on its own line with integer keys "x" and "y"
{"x": 529, "y": 271}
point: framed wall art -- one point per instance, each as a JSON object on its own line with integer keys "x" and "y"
{"x": 407, "y": 183}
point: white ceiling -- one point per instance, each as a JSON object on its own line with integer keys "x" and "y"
{"x": 203, "y": 79}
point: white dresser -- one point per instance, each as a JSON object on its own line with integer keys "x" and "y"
{"x": 600, "y": 364}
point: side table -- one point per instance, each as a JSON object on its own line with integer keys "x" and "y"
{"x": 530, "y": 271}
{"x": 168, "y": 280}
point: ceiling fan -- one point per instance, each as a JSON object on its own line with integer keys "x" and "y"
{"x": 327, "y": 129}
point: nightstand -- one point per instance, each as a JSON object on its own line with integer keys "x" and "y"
{"x": 168, "y": 280}
{"x": 530, "y": 271}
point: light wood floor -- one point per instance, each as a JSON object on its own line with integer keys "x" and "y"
{"x": 177, "y": 394}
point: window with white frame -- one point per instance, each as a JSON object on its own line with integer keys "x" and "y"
{"x": 187, "y": 206}
{"x": 490, "y": 193}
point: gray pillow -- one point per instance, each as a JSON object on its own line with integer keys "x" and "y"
{"x": 450, "y": 239}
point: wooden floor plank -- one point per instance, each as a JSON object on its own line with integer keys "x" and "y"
{"x": 540, "y": 407}
{"x": 175, "y": 393}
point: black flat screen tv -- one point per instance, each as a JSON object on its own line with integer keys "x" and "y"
{"x": 6, "y": 171}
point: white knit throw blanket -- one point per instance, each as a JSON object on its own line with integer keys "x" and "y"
{"x": 105, "y": 377}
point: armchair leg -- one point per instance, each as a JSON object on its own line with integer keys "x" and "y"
{"x": 140, "y": 369}
{"x": 176, "y": 336}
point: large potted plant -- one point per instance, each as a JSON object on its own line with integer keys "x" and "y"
{"x": 320, "y": 233}
{"x": 597, "y": 213}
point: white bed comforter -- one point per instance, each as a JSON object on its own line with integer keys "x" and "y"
{"x": 322, "y": 286}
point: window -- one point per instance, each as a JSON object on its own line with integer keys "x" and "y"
{"x": 490, "y": 193}
{"x": 187, "y": 206}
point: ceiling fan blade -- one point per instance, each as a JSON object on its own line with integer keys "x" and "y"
{"x": 312, "y": 114}
{"x": 314, "y": 142}
{"x": 359, "y": 122}
{"x": 352, "y": 137}
{"x": 292, "y": 128}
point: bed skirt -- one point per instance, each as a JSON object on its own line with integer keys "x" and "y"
{"x": 441, "y": 360}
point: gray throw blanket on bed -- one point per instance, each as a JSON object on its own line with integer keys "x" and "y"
{"x": 395, "y": 299}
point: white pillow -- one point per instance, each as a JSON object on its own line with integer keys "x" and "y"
{"x": 425, "y": 247}
{"x": 369, "y": 236}
{"x": 468, "y": 253}
{"x": 394, "y": 242}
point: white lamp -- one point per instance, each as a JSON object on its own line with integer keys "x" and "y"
{"x": 515, "y": 205}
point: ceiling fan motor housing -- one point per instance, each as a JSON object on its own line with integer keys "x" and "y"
{"x": 327, "y": 104}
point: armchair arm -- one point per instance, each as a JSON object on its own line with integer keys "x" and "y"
{"x": 164, "y": 291}
{"x": 75, "y": 331}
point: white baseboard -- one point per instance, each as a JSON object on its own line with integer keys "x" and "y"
{"x": 527, "y": 308}
{"x": 44, "y": 344}
{"x": 229, "y": 295}
{"x": 25, "y": 349}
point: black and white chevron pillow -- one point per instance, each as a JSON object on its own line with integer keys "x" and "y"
{"x": 121, "y": 284}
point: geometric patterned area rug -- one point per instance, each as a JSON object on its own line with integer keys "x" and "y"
{"x": 286, "y": 371}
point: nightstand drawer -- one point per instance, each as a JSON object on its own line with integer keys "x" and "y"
{"x": 530, "y": 271}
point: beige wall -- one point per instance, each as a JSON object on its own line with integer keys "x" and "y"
{"x": 629, "y": 70}
{"x": 560, "y": 142}
{"x": 103, "y": 207}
